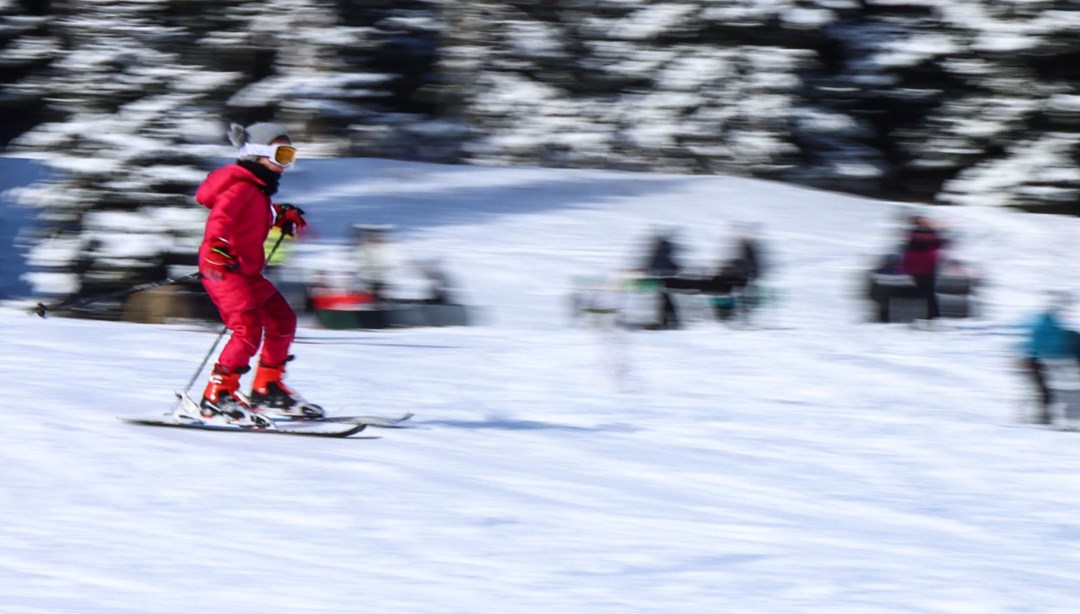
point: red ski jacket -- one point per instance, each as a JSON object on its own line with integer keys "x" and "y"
{"x": 240, "y": 213}
{"x": 922, "y": 252}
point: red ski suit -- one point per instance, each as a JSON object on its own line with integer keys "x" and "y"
{"x": 241, "y": 214}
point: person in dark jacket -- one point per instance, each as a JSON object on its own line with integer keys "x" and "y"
{"x": 923, "y": 245}
{"x": 662, "y": 260}
{"x": 662, "y": 263}
{"x": 750, "y": 253}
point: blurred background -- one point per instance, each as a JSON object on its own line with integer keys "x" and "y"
{"x": 114, "y": 110}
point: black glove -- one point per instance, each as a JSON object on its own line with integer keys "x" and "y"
{"x": 288, "y": 218}
{"x": 220, "y": 259}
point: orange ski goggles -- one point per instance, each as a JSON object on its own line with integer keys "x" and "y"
{"x": 282, "y": 155}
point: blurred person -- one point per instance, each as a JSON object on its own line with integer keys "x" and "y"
{"x": 440, "y": 286}
{"x": 378, "y": 260}
{"x": 662, "y": 263}
{"x": 884, "y": 283}
{"x": 278, "y": 248}
{"x": 1049, "y": 340}
{"x": 956, "y": 287}
{"x": 749, "y": 252}
{"x": 749, "y": 263}
{"x": 599, "y": 301}
{"x": 727, "y": 286}
{"x": 232, "y": 261}
{"x": 922, "y": 248}
{"x": 662, "y": 260}
{"x": 731, "y": 285}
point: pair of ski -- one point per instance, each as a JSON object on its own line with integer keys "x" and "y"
{"x": 331, "y": 426}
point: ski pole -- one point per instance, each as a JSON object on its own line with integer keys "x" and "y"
{"x": 202, "y": 365}
{"x": 41, "y": 309}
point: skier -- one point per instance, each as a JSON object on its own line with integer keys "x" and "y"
{"x": 232, "y": 262}
{"x": 1048, "y": 340}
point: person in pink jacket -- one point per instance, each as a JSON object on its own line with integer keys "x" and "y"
{"x": 923, "y": 245}
{"x": 232, "y": 261}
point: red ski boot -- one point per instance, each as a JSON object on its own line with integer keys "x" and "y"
{"x": 221, "y": 398}
{"x": 268, "y": 392}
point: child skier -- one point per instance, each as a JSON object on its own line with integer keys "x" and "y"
{"x": 231, "y": 260}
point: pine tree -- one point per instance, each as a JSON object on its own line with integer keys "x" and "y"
{"x": 26, "y": 46}
{"x": 1007, "y": 135}
{"x": 625, "y": 84}
{"x": 125, "y": 149}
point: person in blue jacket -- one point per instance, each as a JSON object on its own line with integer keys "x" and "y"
{"x": 1048, "y": 339}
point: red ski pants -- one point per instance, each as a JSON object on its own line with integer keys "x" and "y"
{"x": 256, "y": 313}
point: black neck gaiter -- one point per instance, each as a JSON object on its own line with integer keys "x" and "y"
{"x": 267, "y": 176}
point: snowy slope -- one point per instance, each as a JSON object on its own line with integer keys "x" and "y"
{"x": 812, "y": 463}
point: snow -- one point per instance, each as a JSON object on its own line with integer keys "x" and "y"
{"x": 807, "y": 18}
{"x": 652, "y": 21}
{"x": 990, "y": 183}
{"x": 913, "y": 51}
{"x": 1063, "y": 103}
{"x": 812, "y": 462}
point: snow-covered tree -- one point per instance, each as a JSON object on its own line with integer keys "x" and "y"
{"x": 1008, "y": 134}
{"x": 25, "y": 46}
{"x": 672, "y": 86}
{"x": 295, "y": 71}
{"x": 130, "y": 135}
{"x": 907, "y": 98}
{"x": 410, "y": 122}
{"x": 955, "y": 94}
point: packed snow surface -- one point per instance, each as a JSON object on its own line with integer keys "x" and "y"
{"x": 809, "y": 462}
